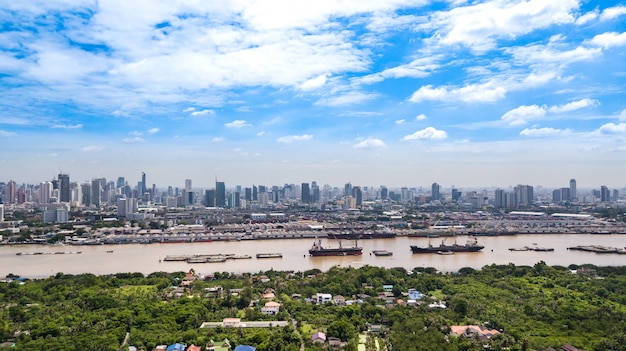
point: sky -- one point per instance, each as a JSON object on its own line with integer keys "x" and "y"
{"x": 394, "y": 92}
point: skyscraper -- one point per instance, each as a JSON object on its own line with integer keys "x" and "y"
{"x": 306, "y": 193}
{"x": 96, "y": 190}
{"x": 144, "y": 187}
{"x": 64, "y": 188}
{"x": 358, "y": 196}
{"x": 11, "y": 192}
{"x": 220, "y": 194}
{"x": 435, "y": 192}
{"x": 188, "y": 184}
{"x": 45, "y": 192}
{"x": 572, "y": 189}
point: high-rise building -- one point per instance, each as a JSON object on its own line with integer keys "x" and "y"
{"x": 434, "y": 191}
{"x": 248, "y": 194}
{"x": 64, "y": 188}
{"x": 347, "y": 190}
{"x": 1, "y": 212}
{"x": 220, "y": 194}
{"x": 255, "y": 193}
{"x": 500, "y": 199}
{"x": 384, "y": 192}
{"x": 120, "y": 182}
{"x": 357, "y": 194}
{"x": 305, "y": 193}
{"x": 11, "y": 192}
{"x": 86, "y": 194}
{"x": 96, "y": 191}
{"x": 456, "y": 194}
{"x": 524, "y": 195}
{"x": 572, "y": 190}
{"x": 209, "y": 198}
{"x": 605, "y": 194}
{"x": 234, "y": 200}
{"x": 45, "y": 192}
{"x": 188, "y": 184}
{"x": 556, "y": 196}
{"x": 144, "y": 186}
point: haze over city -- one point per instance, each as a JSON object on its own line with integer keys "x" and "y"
{"x": 401, "y": 93}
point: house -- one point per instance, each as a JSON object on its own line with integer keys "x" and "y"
{"x": 387, "y": 296}
{"x": 335, "y": 342}
{"x": 339, "y": 300}
{"x": 321, "y": 299}
{"x": 269, "y": 295}
{"x": 470, "y": 331}
{"x": 160, "y": 348}
{"x": 414, "y": 294}
{"x": 176, "y": 347}
{"x": 224, "y": 346}
{"x": 244, "y": 348}
{"x": 270, "y": 308}
{"x": 214, "y": 291}
{"x": 387, "y": 288}
{"x": 231, "y": 322}
{"x": 568, "y": 347}
{"x": 193, "y": 347}
{"x": 318, "y": 337}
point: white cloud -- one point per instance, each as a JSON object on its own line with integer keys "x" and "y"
{"x": 610, "y": 39}
{"x": 217, "y": 139}
{"x": 189, "y": 109}
{"x": 203, "y": 113}
{"x": 622, "y": 115}
{"x": 261, "y": 133}
{"x": 543, "y": 132}
{"x": 6, "y": 134}
{"x": 429, "y": 133}
{"x": 421, "y": 117}
{"x": 418, "y": 68}
{"x": 485, "y": 92}
{"x": 92, "y": 148}
{"x": 237, "y": 124}
{"x": 521, "y": 115}
{"x": 612, "y": 128}
{"x": 272, "y": 121}
{"x": 291, "y": 138}
{"x": 67, "y": 126}
{"x": 478, "y": 26}
{"x": 612, "y": 12}
{"x": 135, "y": 140}
{"x": 135, "y": 133}
{"x": 314, "y": 83}
{"x": 369, "y": 143}
{"x": 587, "y": 17}
{"x": 400, "y": 121}
{"x": 574, "y": 105}
{"x": 153, "y": 131}
{"x": 350, "y": 98}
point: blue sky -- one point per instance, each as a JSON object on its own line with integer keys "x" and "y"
{"x": 402, "y": 93}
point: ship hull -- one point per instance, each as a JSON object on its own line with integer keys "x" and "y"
{"x": 446, "y": 248}
{"x": 336, "y": 252}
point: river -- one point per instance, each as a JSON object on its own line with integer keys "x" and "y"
{"x": 107, "y": 259}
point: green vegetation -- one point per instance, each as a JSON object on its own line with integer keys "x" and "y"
{"x": 533, "y": 307}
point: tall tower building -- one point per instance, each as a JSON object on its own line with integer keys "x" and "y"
{"x": 305, "y": 193}
{"x": 500, "y": 199}
{"x": 220, "y": 194}
{"x": 188, "y": 184}
{"x": 572, "y": 189}
{"x": 45, "y": 192}
{"x": 144, "y": 186}
{"x": 384, "y": 192}
{"x": 11, "y": 192}
{"x": 64, "y": 188}
{"x": 96, "y": 192}
{"x": 435, "y": 192}
{"x": 358, "y": 196}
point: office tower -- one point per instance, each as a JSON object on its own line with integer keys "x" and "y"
{"x": 524, "y": 195}
{"x": 234, "y": 201}
{"x": 305, "y": 193}
{"x": 565, "y": 195}
{"x": 188, "y": 184}
{"x": 615, "y": 195}
{"x": 11, "y": 192}
{"x": 21, "y": 195}
{"x": 556, "y": 196}
{"x": 255, "y": 193}
{"x": 209, "y": 198}
{"x": 357, "y": 194}
{"x": 96, "y": 189}
{"x": 572, "y": 190}
{"x": 220, "y": 194}
{"x": 605, "y": 194}
{"x": 347, "y": 190}
{"x": 315, "y": 193}
{"x": 64, "y": 187}
{"x": 142, "y": 189}
{"x": 262, "y": 189}
{"x": 456, "y": 194}
{"x": 120, "y": 182}
{"x": 86, "y": 194}
{"x": 45, "y": 192}
{"x": 248, "y": 194}
{"x": 384, "y": 193}
{"x": 1, "y": 212}
{"x": 434, "y": 191}
{"x": 500, "y": 199}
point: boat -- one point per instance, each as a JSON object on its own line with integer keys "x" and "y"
{"x": 269, "y": 255}
{"x": 445, "y": 252}
{"x": 109, "y": 251}
{"x": 318, "y": 250}
{"x": 470, "y": 246}
{"x": 382, "y": 253}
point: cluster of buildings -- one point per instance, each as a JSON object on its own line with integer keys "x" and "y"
{"x": 57, "y": 197}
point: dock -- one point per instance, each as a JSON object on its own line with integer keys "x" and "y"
{"x": 269, "y": 255}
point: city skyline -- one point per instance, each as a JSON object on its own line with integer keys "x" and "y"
{"x": 470, "y": 94}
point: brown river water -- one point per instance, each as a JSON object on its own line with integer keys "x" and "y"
{"x": 107, "y": 259}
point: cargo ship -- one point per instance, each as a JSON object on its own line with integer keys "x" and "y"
{"x": 318, "y": 250}
{"x": 470, "y": 246}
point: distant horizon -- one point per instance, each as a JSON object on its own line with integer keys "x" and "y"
{"x": 485, "y": 93}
